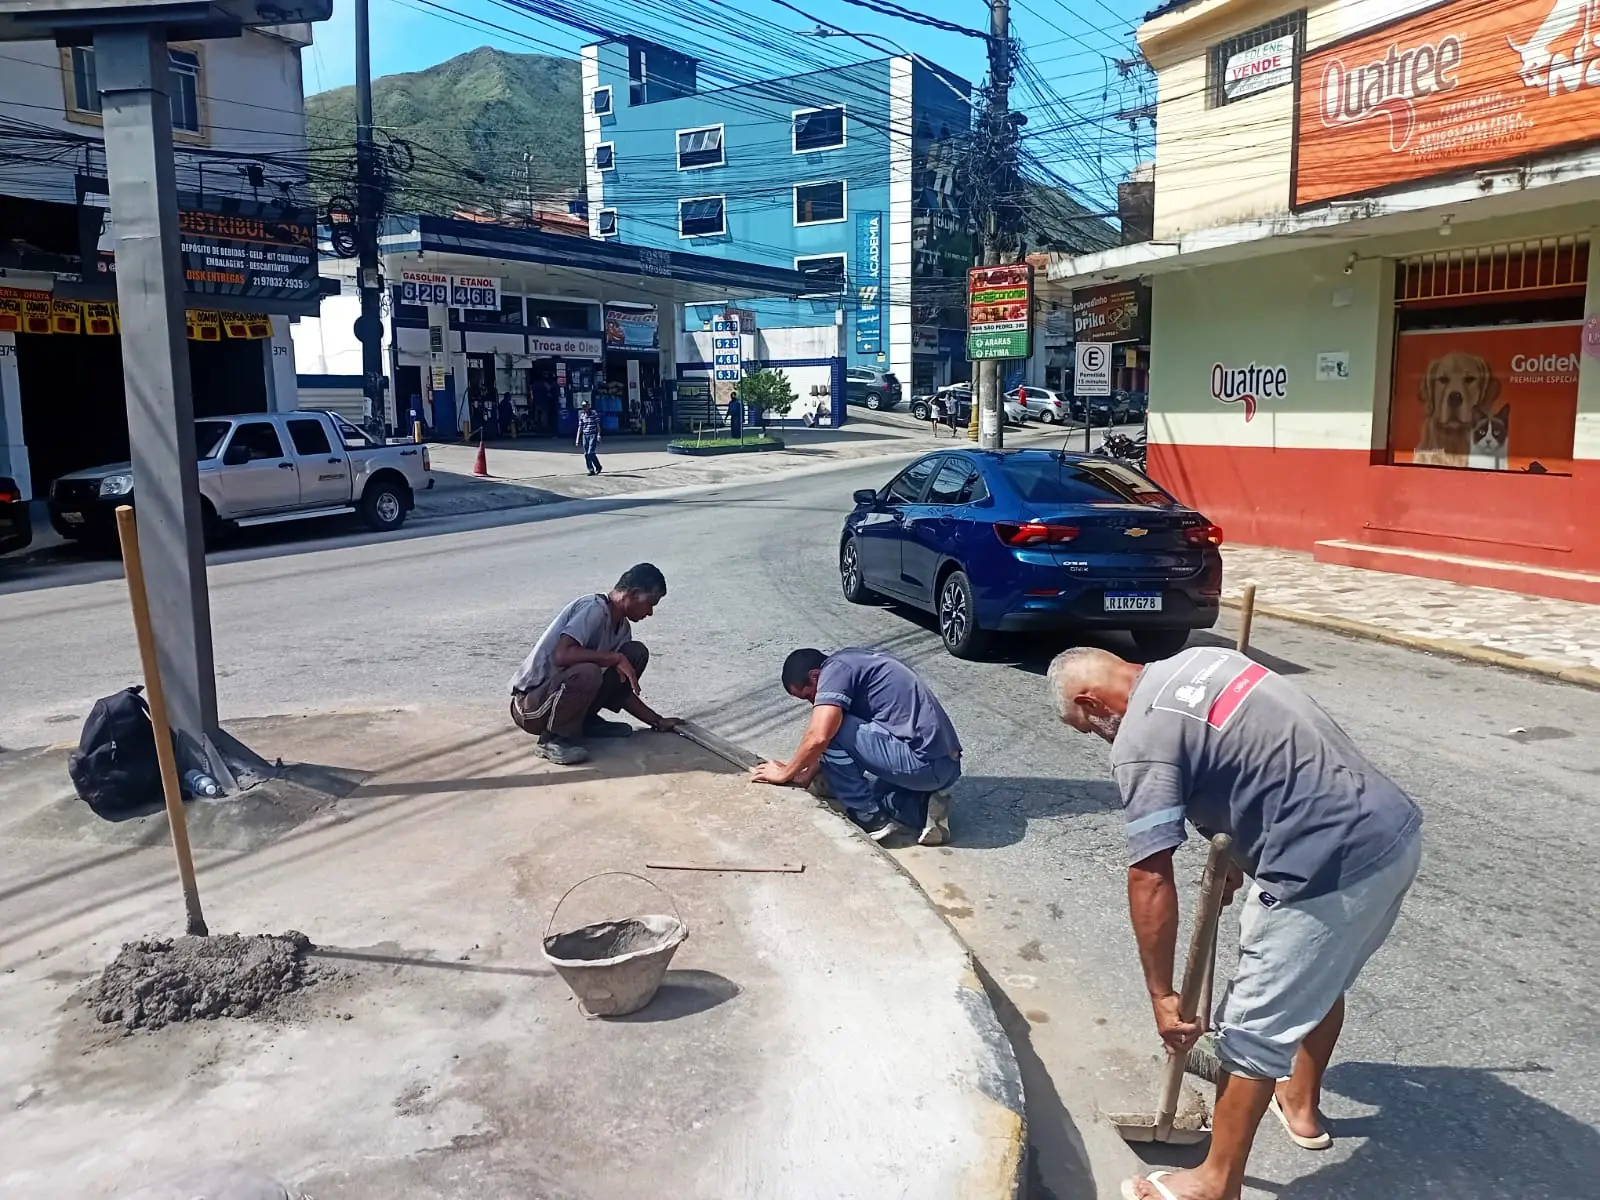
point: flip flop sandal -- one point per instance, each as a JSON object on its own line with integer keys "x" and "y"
{"x": 1130, "y": 1187}
{"x": 1321, "y": 1142}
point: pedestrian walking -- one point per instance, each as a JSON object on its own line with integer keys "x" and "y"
{"x": 936, "y": 412}
{"x": 880, "y": 739}
{"x": 588, "y": 439}
{"x": 586, "y": 662}
{"x": 1330, "y": 843}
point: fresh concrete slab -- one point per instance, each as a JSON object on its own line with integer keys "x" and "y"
{"x": 820, "y": 1034}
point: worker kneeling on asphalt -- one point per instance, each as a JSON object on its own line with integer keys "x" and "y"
{"x": 881, "y": 741}
{"x": 587, "y": 662}
{"x": 1331, "y": 845}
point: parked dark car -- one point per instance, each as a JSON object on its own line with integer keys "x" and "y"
{"x": 1001, "y": 541}
{"x": 1103, "y": 410}
{"x": 1136, "y": 405}
{"x": 870, "y": 387}
{"x": 16, "y": 527}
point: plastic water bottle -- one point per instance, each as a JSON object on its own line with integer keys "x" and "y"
{"x": 198, "y": 783}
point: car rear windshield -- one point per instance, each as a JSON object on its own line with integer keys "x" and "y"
{"x": 1053, "y": 481}
{"x": 208, "y": 437}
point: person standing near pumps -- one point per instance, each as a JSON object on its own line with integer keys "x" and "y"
{"x": 588, "y": 439}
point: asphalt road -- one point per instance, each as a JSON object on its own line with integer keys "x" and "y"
{"x": 1469, "y": 1063}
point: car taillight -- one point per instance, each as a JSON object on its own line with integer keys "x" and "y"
{"x": 1035, "y": 533}
{"x": 427, "y": 462}
{"x": 1204, "y": 535}
{"x": 7, "y": 496}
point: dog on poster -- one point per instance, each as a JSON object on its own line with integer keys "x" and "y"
{"x": 1458, "y": 391}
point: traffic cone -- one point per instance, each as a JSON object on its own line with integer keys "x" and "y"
{"x": 481, "y": 465}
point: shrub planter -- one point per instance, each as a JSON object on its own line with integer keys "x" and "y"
{"x": 711, "y": 447}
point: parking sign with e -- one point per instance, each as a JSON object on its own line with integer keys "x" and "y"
{"x": 1092, "y": 372}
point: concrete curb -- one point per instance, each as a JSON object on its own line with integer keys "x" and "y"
{"x": 1006, "y": 1089}
{"x": 1588, "y": 677}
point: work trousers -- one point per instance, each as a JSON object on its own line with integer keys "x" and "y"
{"x": 870, "y": 771}
{"x": 572, "y": 695}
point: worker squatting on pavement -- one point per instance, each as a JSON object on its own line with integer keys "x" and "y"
{"x": 587, "y": 662}
{"x": 881, "y": 741}
{"x": 1331, "y": 845}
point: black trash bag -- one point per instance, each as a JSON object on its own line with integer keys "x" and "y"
{"x": 115, "y": 769}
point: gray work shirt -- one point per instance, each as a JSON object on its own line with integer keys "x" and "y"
{"x": 1220, "y": 740}
{"x": 879, "y": 688}
{"x": 587, "y": 621}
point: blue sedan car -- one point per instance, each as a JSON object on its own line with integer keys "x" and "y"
{"x": 998, "y": 541}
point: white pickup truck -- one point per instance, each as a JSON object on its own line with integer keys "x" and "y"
{"x": 262, "y": 469}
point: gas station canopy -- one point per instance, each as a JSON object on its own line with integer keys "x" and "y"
{"x": 568, "y": 265}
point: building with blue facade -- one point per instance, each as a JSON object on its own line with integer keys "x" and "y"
{"x": 845, "y": 174}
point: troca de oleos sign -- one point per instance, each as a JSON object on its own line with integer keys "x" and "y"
{"x": 1248, "y": 385}
{"x": 1000, "y": 311}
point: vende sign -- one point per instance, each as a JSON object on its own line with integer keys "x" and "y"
{"x": 1465, "y": 84}
{"x": 1259, "y": 68}
{"x": 1248, "y": 385}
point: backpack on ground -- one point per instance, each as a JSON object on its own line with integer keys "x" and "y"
{"x": 115, "y": 769}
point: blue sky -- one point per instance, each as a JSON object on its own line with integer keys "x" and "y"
{"x": 1073, "y": 48}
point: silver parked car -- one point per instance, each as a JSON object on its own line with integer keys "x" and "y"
{"x": 262, "y": 469}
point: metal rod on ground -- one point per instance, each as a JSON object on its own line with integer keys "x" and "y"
{"x": 1247, "y": 613}
{"x": 133, "y": 566}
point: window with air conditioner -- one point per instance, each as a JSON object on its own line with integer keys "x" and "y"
{"x": 819, "y": 203}
{"x": 824, "y": 272}
{"x": 698, "y": 148}
{"x": 818, "y": 129}
{"x": 702, "y": 216}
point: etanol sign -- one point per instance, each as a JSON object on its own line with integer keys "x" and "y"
{"x": 1248, "y": 385}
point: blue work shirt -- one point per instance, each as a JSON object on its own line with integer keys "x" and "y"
{"x": 879, "y": 688}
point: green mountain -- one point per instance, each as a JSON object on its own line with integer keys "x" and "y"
{"x": 469, "y": 122}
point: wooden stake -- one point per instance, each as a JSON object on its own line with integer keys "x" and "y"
{"x": 1247, "y": 612}
{"x": 133, "y": 567}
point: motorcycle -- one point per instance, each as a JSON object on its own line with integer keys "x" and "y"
{"x": 1125, "y": 449}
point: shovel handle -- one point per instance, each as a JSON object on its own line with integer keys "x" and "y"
{"x": 1202, "y": 948}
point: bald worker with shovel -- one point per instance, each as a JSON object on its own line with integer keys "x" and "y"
{"x": 1331, "y": 844}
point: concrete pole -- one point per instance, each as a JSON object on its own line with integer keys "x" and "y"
{"x": 133, "y": 71}
{"x": 987, "y": 406}
{"x": 369, "y": 326}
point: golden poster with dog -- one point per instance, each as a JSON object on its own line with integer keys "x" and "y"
{"x": 1497, "y": 399}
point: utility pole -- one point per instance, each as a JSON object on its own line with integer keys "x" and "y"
{"x": 999, "y": 148}
{"x": 369, "y": 326}
{"x": 134, "y": 71}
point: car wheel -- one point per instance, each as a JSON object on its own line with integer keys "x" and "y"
{"x": 958, "y": 617}
{"x": 874, "y": 401}
{"x": 919, "y": 411}
{"x": 850, "y": 577}
{"x": 211, "y": 526}
{"x": 383, "y": 507}
{"x": 1160, "y": 643}
{"x": 1048, "y": 417}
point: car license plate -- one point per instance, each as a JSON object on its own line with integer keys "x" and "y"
{"x": 72, "y": 518}
{"x": 1133, "y": 602}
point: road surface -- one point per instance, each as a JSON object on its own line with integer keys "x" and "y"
{"x": 1469, "y": 1065}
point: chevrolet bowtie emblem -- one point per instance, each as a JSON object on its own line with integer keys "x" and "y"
{"x": 1135, "y": 532}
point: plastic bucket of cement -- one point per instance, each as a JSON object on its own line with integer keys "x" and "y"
{"x": 615, "y": 967}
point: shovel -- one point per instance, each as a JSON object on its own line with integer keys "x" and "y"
{"x": 1158, "y": 1126}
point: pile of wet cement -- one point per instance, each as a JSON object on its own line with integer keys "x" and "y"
{"x": 159, "y": 982}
